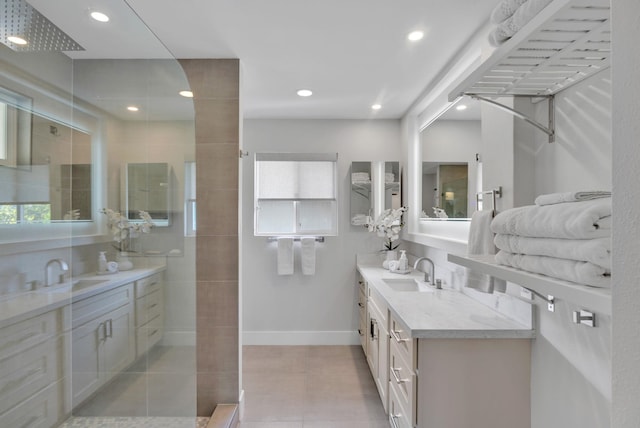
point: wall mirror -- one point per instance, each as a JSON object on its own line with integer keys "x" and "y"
{"x": 451, "y": 171}
{"x": 148, "y": 188}
{"x": 375, "y": 187}
{"x": 45, "y": 170}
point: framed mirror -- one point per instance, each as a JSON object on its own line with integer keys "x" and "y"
{"x": 451, "y": 168}
{"x": 375, "y": 187}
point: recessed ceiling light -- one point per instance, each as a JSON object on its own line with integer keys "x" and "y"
{"x": 99, "y": 16}
{"x": 461, "y": 107}
{"x": 376, "y": 107}
{"x": 414, "y": 36}
{"x": 17, "y": 40}
{"x": 304, "y": 93}
{"x": 186, "y": 94}
{"x": 133, "y": 108}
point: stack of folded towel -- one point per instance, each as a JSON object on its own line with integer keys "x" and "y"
{"x": 511, "y": 15}
{"x": 564, "y": 235}
{"x": 360, "y": 177}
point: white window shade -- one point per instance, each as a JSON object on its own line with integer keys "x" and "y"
{"x": 295, "y": 193}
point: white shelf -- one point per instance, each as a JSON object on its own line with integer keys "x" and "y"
{"x": 568, "y": 41}
{"x": 590, "y": 298}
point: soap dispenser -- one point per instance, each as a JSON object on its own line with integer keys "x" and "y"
{"x": 403, "y": 262}
{"x": 102, "y": 262}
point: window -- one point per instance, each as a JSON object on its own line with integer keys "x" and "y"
{"x": 295, "y": 194}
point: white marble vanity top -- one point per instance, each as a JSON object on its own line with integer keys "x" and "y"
{"x": 20, "y": 306}
{"x": 441, "y": 314}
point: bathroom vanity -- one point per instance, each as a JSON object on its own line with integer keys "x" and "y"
{"x": 439, "y": 358}
{"x": 105, "y": 322}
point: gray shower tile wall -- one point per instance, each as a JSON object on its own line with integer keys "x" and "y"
{"x": 216, "y": 89}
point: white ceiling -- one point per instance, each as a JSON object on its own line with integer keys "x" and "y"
{"x": 351, "y": 53}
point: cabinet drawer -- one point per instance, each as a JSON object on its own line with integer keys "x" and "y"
{"x": 148, "y": 335}
{"x": 149, "y": 284}
{"x": 93, "y": 307}
{"x": 24, "y": 374}
{"x": 403, "y": 379}
{"x": 149, "y": 307}
{"x": 399, "y": 417}
{"x": 40, "y": 411}
{"x": 405, "y": 344}
{"x": 17, "y": 337}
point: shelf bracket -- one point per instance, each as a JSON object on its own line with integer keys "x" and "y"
{"x": 549, "y": 130}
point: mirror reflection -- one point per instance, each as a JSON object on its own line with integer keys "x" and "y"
{"x": 47, "y": 170}
{"x": 375, "y": 187}
{"x": 451, "y": 171}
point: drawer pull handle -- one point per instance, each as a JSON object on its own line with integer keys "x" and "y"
{"x": 393, "y": 418}
{"x": 396, "y": 376}
{"x": 102, "y": 326}
{"x": 110, "y": 327}
{"x": 396, "y": 336}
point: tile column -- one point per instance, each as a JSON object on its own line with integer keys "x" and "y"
{"x": 215, "y": 85}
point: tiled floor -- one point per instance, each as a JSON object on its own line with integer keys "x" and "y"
{"x": 309, "y": 387}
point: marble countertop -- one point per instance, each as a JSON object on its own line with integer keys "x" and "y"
{"x": 441, "y": 314}
{"x": 21, "y": 306}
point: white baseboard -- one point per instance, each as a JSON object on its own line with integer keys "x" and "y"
{"x": 300, "y": 338}
{"x": 179, "y": 338}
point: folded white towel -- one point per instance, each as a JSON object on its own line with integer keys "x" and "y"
{"x": 285, "y": 256}
{"x": 577, "y": 220}
{"x": 308, "y": 255}
{"x": 514, "y": 23}
{"x": 481, "y": 242}
{"x": 596, "y": 251}
{"x": 558, "y": 198}
{"x": 569, "y": 270}
{"x": 389, "y": 177}
{"x": 504, "y": 10}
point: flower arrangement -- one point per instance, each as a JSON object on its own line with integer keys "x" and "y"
{"x": 122, "y": 230}
{"x": 388, "y": 225}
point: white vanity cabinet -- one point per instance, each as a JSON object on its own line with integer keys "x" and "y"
{"x": 103, "y": 339}
{"x": 378, "y": 344}
{"x": 32, "y": 370}
{"x": 149, "y": 312}
{"x": 363, "y": 319}
{"x": 448, "y": 382}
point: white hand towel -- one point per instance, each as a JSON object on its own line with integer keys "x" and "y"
{"x": 558, "y": 198}
{"x": 577, "y": 220}
{"x": 504, "y": 10}
{"x": 570, "y": 270}
{"x": 481, "y": 242}
{"x": 285, "y": 256}
{"x": 308, "y": 255}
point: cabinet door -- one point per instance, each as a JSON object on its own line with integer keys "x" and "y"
{"x": 87, "y": 341}
{"x": 119, "y": 346}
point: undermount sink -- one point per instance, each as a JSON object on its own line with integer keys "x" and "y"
{"x": 73, "y": 285}
{"x": 408, "y": 284}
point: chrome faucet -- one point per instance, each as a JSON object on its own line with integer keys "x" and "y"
{"x": 426, "y": 274}
{"x": 64, "y": 267}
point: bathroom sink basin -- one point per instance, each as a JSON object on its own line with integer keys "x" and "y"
{"x": 73, "y": 285}
{"x": 408, "y": 284}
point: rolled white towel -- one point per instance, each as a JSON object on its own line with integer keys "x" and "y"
{"x": 578, "y": 220}
{"x": 596, "y": 251}
{"x": 504, "y": 10}
{"x": 569, "y": 270}
{"x": 559, "y": 198}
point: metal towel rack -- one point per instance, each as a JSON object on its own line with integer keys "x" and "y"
{"x": 295, "y": 238}
{"x": 495, "y": 193}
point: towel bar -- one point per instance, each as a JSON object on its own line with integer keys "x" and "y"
{"x": 495, "y": 193}
{"x": 295, "y": 238}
